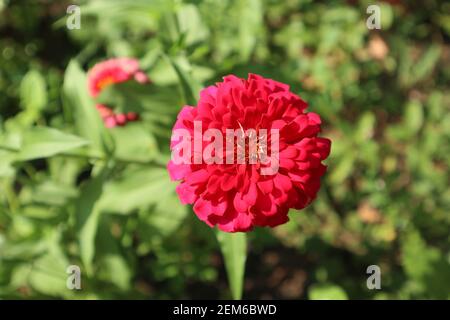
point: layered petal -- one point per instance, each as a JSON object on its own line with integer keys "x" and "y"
{"x": 237, "y": 196}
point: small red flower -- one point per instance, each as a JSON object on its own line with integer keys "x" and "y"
{"x": 237, "y": 197}
{"x": 110, "y": 72}
{"x": 104, "y": 110}
{"x": 113, "y": 71}
{"x": 121, "y": 119}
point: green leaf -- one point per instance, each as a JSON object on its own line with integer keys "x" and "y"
{"x": 427, "y": 63}
{"x": 425, "y": 265}
{"x": 113, "y": 265}
{"x": 134, "y": 143}
{"x": 6, "y": 165}
{"x": 52, "y": 193}
{"x": 166, "y": 216}
{"x": 116, "y": 271}
{"x": 190, "y": 87}
{"x": 190, "y": 24}
{"x": 414, "y": 116}
{"x": 342, "y": 169}
{"x": 39, "y": 212}
{"x": 365, "y": 128}
{"x": 87, "y": 215}
{"x": 137, "y": 189}
{"x": 42, "y": 142}
{"x": 87, "y": 119}
{"x": 33, "y": 96}
{"x": 387, "y": 15}
{"x": 48, "y": 272}
{"x": 25, "y": 250}
{"x": 327, "y": 292}
{"x": 234, "y": 251}
{"x": 250, "y": 25}
{"x": 125, "y": 14}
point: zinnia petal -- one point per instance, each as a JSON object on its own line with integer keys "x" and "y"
{"x": 237, "y": 196}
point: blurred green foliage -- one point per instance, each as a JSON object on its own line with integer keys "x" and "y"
{"x": 74, "y": 192}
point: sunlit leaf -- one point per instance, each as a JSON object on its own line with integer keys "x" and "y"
{"x": 87, "y": 215}
{"x": 138, "y": 188}
{"x": 42, "y": 142}
{"x": 33, "y": 91}
{"x": 327, "y": 292}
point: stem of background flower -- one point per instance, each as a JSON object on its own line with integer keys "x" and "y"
{"x": 87, "y": 52}
{"x": 234, "y": 251}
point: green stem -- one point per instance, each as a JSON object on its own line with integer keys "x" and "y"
{"x": 234, "y": 251}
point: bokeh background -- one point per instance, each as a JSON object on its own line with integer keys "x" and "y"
{"x": 109, "y": 207}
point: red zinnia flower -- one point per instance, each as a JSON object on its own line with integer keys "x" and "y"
{"x": 237, "y": 197}
{"x": 113, "y": 71}
{"x": 107, "y": 73}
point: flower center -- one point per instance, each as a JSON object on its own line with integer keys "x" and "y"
{"x": 251, "y": 146}
{"x": 103, "y": 83}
